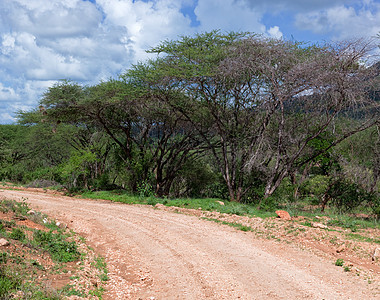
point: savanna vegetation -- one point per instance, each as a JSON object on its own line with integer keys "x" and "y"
{"x": 233, "y": 116}
{"x": 43, "y": 259}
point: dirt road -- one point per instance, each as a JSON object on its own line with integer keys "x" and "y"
{"x": 153, "y": 254}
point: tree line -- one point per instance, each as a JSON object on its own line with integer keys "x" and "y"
{"x": 234, "y": 115}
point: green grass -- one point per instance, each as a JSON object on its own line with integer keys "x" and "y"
{"x": 235, "y": 225}
{"x": 207, "y": 204}
{"x": 55, "y": 243}
{"x": 361, "y": 238}
{"x": 299, "y": 208}
{"x": 101, "y": 265}
{"x": 18, "y": 273}
{"x": 339, "y": 262}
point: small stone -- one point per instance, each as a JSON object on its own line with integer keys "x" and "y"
{"x": 31, "y": 212}
{"x": 283, "y": 214}
{"x": 319, "y": 225}
{"x": 376, "y": 254}
{"x": 159, "y": 206}
{"x": 3, "y": 243}
{"x": 341, "y": 248}
{"x": 19, "y": 295}
{"x": 220, "y": 202}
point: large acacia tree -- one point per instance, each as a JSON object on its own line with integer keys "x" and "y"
{"x": 152, "y": 140}
{"x": 258, "y": 103}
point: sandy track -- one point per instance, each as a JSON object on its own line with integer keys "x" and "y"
{"x": 153, "y": 254}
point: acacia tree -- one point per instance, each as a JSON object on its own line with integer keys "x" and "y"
{"x": 258, "y": 103}
{"x": 150, "y": 137}
{"x": 334, "y": 102}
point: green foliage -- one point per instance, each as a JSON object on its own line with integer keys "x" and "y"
{"x": 195, "y": 179}
{"x": 208, "y": 204}
{"x": 376, "y": 206}
{"x": 269, "y": 204}
{"x": 347, "y": 196}
{"x": 339, "y": 262}
{"x": 101, "y": 265}
{"x": 8, "y": 284}
{"x": 316, "y": 185}
{"x": 17, "y": 234}
{"x": 145, "y": 190}
{"x": 77, "y": 171}
{"x": 59, "y": 249}
{"x": 3, "y": 257}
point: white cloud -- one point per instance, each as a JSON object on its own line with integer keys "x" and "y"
{"x": 6, "y": 118}
{"x": 275, "y": 32}
{"x": 7, "y": 93}
{"x": 144, "y": 24}
{"x": 343, "y": 22}
{"x": 231, "y": 15}
{"x": 43, "y": 41}
{"x": 51, "y": 19}
{"x": 278, "y": 6}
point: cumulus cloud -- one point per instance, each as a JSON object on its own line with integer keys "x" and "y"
{"x": 7, "y": 118}
{"x": 277, "y": 6}
{"x": 7, "y": 93}
{"x": 275, "y": 32}
{"x": 87, "y": 41}
{"x": 343, "y": 22}
{"x": 232, "y": 15}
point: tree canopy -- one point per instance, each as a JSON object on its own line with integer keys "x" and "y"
{"x": 252, "y": 111}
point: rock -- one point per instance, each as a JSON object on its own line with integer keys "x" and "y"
{"x": 3, "y": 243}
{"x": 62, "y": 225}
{"x": 220, "y": 202}
{"x": 283, "y": 214}
{"x": 19, "y": 295}
{"x": 376, "y": 254}
{"x": 319, "y": 225}
{"x": 159, "y": 205}
{"x": 31, "y": 212}
{"x": 341, "y": 248}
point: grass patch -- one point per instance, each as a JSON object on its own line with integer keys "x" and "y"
{"x": 235, "y": 225}
{"x": 55, "y": 243}
{"x": 101, "y": 265}
{"x": 339, "y": 262}
{"x": 23, "y": 262}
{"x": 206, "y": 204}
{"x": 361, "y": 238}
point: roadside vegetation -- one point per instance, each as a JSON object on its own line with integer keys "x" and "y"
{"x": 41, "y": 259}
{"x": 257, "y": 123}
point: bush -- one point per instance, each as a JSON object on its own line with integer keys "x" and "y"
{"x": 376, "y": 205}
{"x": 17, "y": 234}
{"x": 59, "y": 249}
{"x": 316, "y": 185}
{"x": 7, "y": 284}
{"x": 347, "y": 196}
{"x": 269, "y": 204}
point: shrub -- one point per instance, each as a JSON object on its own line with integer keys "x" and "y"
{"x": 17, "y": 234}
{"x": 346, "y": 195}
{"x": 7, "y": 284}
{"x": 339, "y": 262}
{"x": 316, "y": 185}
{"x": 59, "y": 249}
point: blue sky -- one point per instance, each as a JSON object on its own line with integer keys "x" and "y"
{"x": 43, "y": 41}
